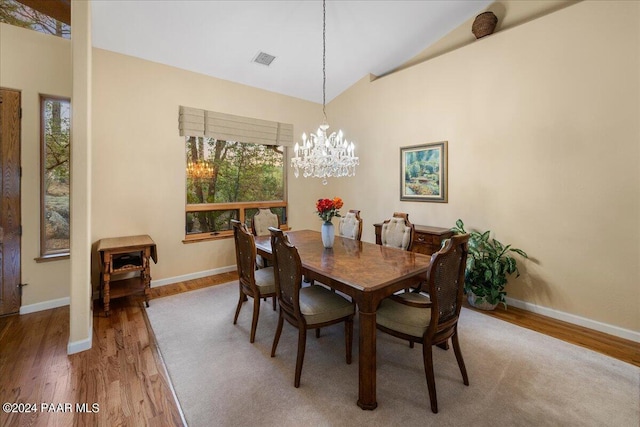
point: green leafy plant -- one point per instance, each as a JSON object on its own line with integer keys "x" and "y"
{"x": 488, "y": 265}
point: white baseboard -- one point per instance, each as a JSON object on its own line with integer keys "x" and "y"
{"x": 576, "y": 320}
{"x": 545, "y": 311}
{"x": 44, "y": 305}
{"x": 82, "y": 345}
{"x": 191, "y": 276}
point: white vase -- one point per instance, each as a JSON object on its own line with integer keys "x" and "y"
{"x": 328, "y": 234}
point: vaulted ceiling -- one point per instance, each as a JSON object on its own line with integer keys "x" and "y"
{"x": 222, "y": 38}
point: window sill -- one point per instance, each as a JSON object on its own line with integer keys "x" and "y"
{"x": 207, "y": 237}
{"x": 53, "y": 257}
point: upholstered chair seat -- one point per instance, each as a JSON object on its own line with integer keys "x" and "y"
{"x": 403, "y": 318}
{"x": 265, "y": 281}
{"x": 320, "y": 305}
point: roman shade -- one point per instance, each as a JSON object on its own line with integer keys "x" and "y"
{"x": 191, "y": 121}
{"x": 228, "y": 127}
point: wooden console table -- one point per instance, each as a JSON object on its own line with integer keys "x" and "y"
{"x": 426, "y": 239}
{"x": 122, "y": 255}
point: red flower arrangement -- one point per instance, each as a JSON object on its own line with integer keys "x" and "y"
{"x": 328, "y": 208}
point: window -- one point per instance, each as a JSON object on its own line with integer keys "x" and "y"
{"x": 55, "y": 173}
{"x": 231, "y": 180}
{"x": 50, "y": 17}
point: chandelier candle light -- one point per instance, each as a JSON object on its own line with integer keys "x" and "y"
{"x": 323, "y": 156}
{"x": 199, "y": 169}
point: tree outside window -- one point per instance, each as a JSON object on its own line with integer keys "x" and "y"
{"x": 55, "y": 140}
{"x": 231, "y": 180}
{"x": 20, "y": 15}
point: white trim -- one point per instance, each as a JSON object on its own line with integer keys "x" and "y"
{"x": 576, "y": 320}
{"x": 61, "y": 302}
{"x": 82, "y": 345}
{"x": 44, "y": 305}
{"x": 191, "y": 276}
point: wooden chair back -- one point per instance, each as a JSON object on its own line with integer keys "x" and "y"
{"x": 288, "y": 274}
{"x": 445, "y": 281}
{"x": 245, "y": 255}
{"x": 262, "y": 221}
{"x": 397, "y": 231}
{"x": 350, "y": 225}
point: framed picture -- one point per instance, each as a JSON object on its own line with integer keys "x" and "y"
{"x": 423, "y": 172}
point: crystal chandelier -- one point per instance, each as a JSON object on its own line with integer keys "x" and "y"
{"x": 323, "y": 156}
{"x": 199, "y": 169}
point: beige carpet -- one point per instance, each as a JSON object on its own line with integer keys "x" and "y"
{"x": 517, "y": 377}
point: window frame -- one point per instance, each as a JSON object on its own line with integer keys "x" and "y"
{"x": 59, "y": 253}
{"x": 240, "y": 206}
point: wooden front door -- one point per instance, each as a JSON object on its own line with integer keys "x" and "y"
{"x": 10, "y": 229}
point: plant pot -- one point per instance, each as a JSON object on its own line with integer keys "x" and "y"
{"x": 328, "y": 234}
{"x": 479, "y": 302}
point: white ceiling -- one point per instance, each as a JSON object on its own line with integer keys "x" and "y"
{"x": 221, "y": 38}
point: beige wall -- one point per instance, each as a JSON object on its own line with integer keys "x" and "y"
{"x": 542, "y": 124}
{"x": 544, "y": 149}
{"x": 35, "y": 64}
{"x": 139, "y": 157}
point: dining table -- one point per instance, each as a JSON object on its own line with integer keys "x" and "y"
{"x": 366, "y": 272}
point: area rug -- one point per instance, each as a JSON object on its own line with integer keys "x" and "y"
{"x": 517, "y": 377}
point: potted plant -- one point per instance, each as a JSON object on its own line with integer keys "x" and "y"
{"x": 488, "y": 265}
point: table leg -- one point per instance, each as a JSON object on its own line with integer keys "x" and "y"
{"x": 106, "y": 296}
{"x": 367, "y": 361}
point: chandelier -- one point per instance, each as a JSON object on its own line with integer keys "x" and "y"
{"x": 323, "y": 156}
{"x": 199, "y": 169}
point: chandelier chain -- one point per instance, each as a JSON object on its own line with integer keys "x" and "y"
{"x": 321, "y": 155}
{"x": 324, "y": 59}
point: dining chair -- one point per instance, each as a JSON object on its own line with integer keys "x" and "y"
{"x": 350, "y": 225}
{"x": 397, "y": 232}
{"x": 262, "y": 220}
{"x": 305, "y": 308}
{"x": 260, "y": 224}
{"x": 253, "y": 283}
{"x": 431, "y": 319}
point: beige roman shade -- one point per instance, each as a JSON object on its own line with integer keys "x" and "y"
{"x": 229, "y": 127}
{"x": 191, "y": 121}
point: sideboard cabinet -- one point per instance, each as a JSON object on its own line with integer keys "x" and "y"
{"x": 125, "y": 267}
{"x": 426, "y": 239}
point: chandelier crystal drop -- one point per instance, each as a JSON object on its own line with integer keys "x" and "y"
{"x": 323, "y": 156}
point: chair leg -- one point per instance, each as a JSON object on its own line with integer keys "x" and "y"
{"x": 273, "y": 302}
{"x": 254, "y": 320}
{"x": 348, "y": 338}
{"x": 456, "y": 350}
{"x": 411, "y": 344}
{"x": 302, "y": 341}
{"x": 431, "y": 381}
{"x": 240, "y": 301}
{"x": 317, "y": 332}
{"x": 276, "y": 338}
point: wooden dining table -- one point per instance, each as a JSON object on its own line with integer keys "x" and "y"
{"x": 367, "y": 273}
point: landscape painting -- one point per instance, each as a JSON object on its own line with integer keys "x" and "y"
{"x": 423, "y": 172}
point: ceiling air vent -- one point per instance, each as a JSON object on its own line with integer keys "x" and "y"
{"x": 264, "y": 58}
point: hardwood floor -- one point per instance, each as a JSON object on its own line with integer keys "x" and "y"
{"x": 123, "y": 372}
